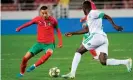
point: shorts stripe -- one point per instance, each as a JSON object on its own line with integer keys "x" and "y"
{"x": 90, "y": 37}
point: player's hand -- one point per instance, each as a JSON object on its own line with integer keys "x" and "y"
{"x": 81, "y": 20}
{"x": 17, "y": 30}
{"x": 118, "y": 28}
{"x": 68, "y": 34}
{"x": 59, "y": 45}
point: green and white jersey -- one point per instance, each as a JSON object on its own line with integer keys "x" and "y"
{"x": 94, "y": 22}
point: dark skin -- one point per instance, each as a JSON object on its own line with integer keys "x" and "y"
{"x": 82, "y": 49}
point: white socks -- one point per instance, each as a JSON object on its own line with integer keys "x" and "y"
{"x": 75, "y": 62}
{"x": 116, "y": 62}
{"x": 77, "y": 59}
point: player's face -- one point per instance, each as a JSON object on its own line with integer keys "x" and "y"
{"x": 44, "y": 13}
{"x": 84, "y": 10}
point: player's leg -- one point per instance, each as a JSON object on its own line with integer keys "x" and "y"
{"x": 88, "y": 44}
{"x": 103, "y": 58}
{"x": 105, "y": 61}
{"x": 32, "y": 51}
{"x": 48, "y": 49}
{"x": 126, "y": 62}
{"x": 102, "y": 52}
{"x": 23, "y": 65}
{"x": 44, "y": 58}
{"x": 77, "y": 57}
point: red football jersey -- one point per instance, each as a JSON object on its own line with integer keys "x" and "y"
{"x": 45, "y": 28}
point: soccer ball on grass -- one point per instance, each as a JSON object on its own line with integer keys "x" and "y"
{"x": 54, "y": 72}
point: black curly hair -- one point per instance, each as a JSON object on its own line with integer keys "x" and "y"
{"x": 87, "y": 4}
{"x": 44, "y": 8}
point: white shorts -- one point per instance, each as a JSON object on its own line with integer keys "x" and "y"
{"x": 96, "y": 42}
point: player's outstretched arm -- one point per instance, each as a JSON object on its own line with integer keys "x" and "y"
{"x": 24, "y": 25}
{"x": 118, "y": 28}
{"x": 27, "y": 24}
{"x": 59, "y": 35}
{"x": 83, "y": 31}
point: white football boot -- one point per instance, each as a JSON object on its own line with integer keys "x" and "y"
{"x": 129, "y": 65}
{"x": 69, "y": 75}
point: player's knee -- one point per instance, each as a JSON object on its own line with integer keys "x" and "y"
{"x": 79, "y": 51}
{"x": 28, "y": 55}
{"x": 103, "y": 58}
{"x": 103, "y": 62}
{"x": 50, "y": 51}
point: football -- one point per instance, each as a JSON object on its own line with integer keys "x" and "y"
{"x": 54, "y": 72}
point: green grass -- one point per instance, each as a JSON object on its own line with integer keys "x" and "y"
{"x": 14, "y": 48}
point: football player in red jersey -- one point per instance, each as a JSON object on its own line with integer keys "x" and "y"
{"x": 46, "y": 25}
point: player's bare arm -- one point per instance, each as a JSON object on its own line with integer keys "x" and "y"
{"x": 83, "y": 31}
{"x": 118, "y": 28}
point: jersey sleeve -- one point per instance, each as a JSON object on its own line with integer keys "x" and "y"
{"x": 55, "y": 23}
{"x": 97, "y": 14}
{"x": 33, "y": 21}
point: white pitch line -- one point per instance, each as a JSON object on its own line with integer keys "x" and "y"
{"x": 6, "y": 54}
{"x": 122, "y": 50}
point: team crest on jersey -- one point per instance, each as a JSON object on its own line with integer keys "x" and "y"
{"x": 89, "y": 44}
{"x": 49, "y": 23}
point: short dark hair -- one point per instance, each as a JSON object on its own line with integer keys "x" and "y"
{"x": 44, "y": 8}
{"x": 87, "y": 4}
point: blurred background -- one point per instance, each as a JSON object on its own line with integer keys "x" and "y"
{"x": 68, "y": 13}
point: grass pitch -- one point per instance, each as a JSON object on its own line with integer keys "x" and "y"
{"x": 14, "y": 48}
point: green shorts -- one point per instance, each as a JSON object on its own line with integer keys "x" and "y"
{"x": 38, "y": 47}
